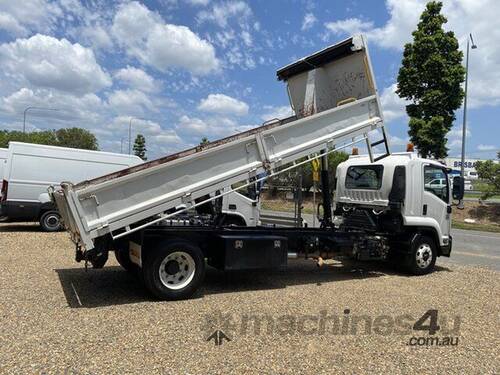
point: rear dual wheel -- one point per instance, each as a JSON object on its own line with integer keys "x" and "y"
{"x": 174, "y": 271}
{"x": 123, "y": 258}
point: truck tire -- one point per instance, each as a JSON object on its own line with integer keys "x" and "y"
{"x": 174, "y": 271}
{"x": 422, "y": 257}
{"x": 123, "y": 259}
{"x": 50, "y": 221}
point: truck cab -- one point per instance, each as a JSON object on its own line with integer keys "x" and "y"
{"x": 401, "y": 196}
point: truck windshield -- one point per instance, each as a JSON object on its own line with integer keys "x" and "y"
{"x": 364, "y": 177}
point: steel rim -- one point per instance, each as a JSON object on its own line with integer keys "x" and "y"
{"x": 424, "y": 255}
{"x": 177, "y": 270}
{"x": 52, "y": 221}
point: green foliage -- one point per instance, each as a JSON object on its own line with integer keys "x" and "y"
{"x": 44, "y": 137}
{"x": 71, "y": 137}
{"x": 140, "y": 147}
{"x": 77, "y": 138}
{"x": 489, "y": 172}
{"x": 430, "y": 77}
{"x": 334, "y": 159}
{"x": 306, "y": 169}
{"x": 204, "y": 141}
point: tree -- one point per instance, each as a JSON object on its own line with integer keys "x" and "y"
{"x": 430, "y": 78}
{"x": 489, "y": 171}
{"x": 334, "y": 159}
{"x": 140, "y": 147}
{"x": 46, "y": 137}
{"x": 204, "y": 141}
{"x": 72, "y": 137}
{"x": 76, "y": 138}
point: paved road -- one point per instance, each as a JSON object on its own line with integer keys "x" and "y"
{"x": 469, "y": 247}
{"x": 475, "y": 248}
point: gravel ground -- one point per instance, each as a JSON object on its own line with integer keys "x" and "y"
{"x": 114, "y": 326}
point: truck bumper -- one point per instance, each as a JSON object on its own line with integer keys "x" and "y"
{"x": 446, "y": 249}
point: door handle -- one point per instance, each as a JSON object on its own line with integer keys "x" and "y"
{"x": 424, "y": 210}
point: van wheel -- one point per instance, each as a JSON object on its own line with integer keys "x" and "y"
{"x": 50, "y": 221}
{"x": 423, "y": 256}
{"x": 174, "y": 271}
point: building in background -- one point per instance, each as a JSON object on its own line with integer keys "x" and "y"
{"x": 469, "y": 167}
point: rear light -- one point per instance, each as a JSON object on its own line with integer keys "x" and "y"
{"x": 3, "y": 192}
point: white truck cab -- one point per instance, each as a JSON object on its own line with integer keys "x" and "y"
{"x": 401, "y": 193}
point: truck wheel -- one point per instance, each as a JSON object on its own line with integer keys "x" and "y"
{"x": 174, "y": 271}
{"x": 50, "y": 221}
{"x": 423, "y": 256}
{"x": 123, "y": 259}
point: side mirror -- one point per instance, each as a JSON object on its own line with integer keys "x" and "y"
{"x": 458, "y": 188}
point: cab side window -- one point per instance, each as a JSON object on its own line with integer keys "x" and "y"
{"x": 436, "y": 182}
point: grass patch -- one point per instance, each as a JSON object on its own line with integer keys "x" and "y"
{"x": 477, "y": 196}
{"x": 482, "y": 227}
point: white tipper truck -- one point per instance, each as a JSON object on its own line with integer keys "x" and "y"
{"x": 386, "y": 211}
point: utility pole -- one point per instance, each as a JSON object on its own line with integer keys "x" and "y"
{"x": 464, "y": 125}
{"x": 38, "y": 108}
{"x": 130, "y": 136}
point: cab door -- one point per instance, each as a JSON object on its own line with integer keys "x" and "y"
{"x": 436, "y": 197}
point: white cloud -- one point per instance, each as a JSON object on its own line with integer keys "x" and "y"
{"x": 83, "y": 110}
{"x": 223, "y": 104}
{"x": 96, "y": 36}
{"x": 279, "y": 112}
{"x": 464, "y": 16}
{"x": 454, "y": 143}
{"x": 21, "y": 17}
{"x": 139, "y": 125}
{"x": 192, "y": 125}
{"x": 482, "y": 147}
{"x": 247, "y": 38}
{"x": 44, "y": 61}
{"x": 349, "y": 26}
{"x": 198, "y": 2}
{"x": 159, "y": 141}
{"x": 136, "y": 78}
{"x": 130, "y": 102}
{"x": 220, "y": 13}
{"x": 308, "y": 22}
{"x": 392, "y": 105}
{"x": 213, "y": 128}
{"x": 457, "y": 132}
{"x": 145, "y": 36}
{"x": 397, "y": 141}
{"x": 454, "y": 137}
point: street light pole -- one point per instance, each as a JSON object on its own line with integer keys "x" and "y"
{"x": 130, "y": 136}
{"x": 464, "y": 125}
{"x": 38, "y": 108}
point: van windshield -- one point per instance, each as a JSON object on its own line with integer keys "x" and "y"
{"x": 364, "y": 177}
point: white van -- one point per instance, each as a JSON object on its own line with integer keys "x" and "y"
{"x": 3, "y": 160}
{"x": 30, "y": 169}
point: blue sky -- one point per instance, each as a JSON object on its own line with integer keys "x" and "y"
{"x": 185, "y": 69}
